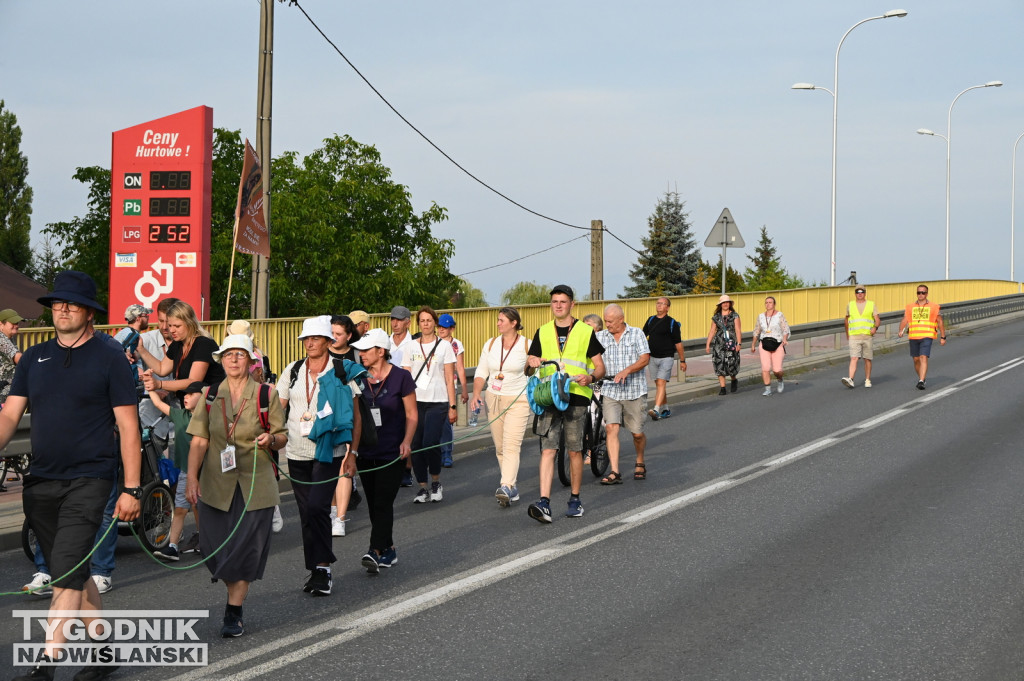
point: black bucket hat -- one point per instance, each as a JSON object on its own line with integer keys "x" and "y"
{"x": 74, "y": 287}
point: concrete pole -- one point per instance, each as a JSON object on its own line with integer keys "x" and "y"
{"x": 259, "y": 307}
{"x": 597, "y": 260}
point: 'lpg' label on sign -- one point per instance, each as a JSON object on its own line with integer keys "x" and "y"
{"x": 132, "y": 207}
{"x": 184, "y": 259}
{"x": 132, "y": 235}
{"x": 126, "y": 260}
{"x": 133, "y": 180}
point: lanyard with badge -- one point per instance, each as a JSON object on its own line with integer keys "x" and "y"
{"x": 502, "y": 356}
{"x": 227, "y": 455}
{"x": 306, "y": 420}
{"x": 374, "y": 409}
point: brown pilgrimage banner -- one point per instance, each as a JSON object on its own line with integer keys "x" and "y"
{"x": 251, "y": 233}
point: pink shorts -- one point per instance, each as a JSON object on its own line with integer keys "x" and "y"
{"x": 771, "y": 361}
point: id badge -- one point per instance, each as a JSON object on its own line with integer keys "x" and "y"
{"x": 375, "y": 413}
{"x": 305, "y": 428}
{"x": 423, "y": 382}
{"x": 496, "y": 385}
{"x": 227, "y": 459}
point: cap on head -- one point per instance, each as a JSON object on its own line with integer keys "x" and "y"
{"x": 317, "y": 326}
{"x": 359, "y": 316}
{"x": 446, "y": 321}
{"x": 134, "y": 311}
{"x": 374, "y": 338}
{"x": 195, "y": 387}
{"x": 240, "y": 327}
{"x": 400, "y": 312}
{"x": 859, "y": 289}
{"x": 11, "y": 316}
{"x": 236, "y": 342}
{"x": 563, "y": 288}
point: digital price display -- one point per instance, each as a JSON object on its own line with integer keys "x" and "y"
{"x": 170, "y": 234}
{"x": 161, "y": 181}
{"x": 169, "y": 207}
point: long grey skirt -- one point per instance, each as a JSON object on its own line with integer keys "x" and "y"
{"x": 245, "y": 556}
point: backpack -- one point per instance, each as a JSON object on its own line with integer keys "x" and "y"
{"x": 654, "y": 316}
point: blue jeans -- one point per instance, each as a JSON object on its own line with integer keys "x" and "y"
{"x": 102, "y": 562}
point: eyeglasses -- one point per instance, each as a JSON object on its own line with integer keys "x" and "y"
{"x": 922, "y": 293}
{"x": 59, "y": 305}
{"x": 235, "y": 355}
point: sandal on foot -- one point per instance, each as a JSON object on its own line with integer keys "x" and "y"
{"x": 586, "y": 460}
{"x": 640, "y": 472}
{"x": 613, "y": 478}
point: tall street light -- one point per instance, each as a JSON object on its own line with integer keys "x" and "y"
{"x": 949, "y": 120}
{"x": 835, "y": 111}
{"x": 1013, "y": 190}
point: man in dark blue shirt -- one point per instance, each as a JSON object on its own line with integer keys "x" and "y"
{"x": 79, "y": 388}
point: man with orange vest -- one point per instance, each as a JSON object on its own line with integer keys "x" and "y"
{"x": 861, "y": 323}
{"x": 924, "y": 323}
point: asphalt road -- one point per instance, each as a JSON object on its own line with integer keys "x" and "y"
{"x": 825, "y": 533}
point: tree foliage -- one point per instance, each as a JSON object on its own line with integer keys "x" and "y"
{"x": 343, "y": 234}
{"x": 765, "y": 272}
{"x": 709, "y": 278}
{"x": 15, "y": 196}
{"x": 467, "y": 295}
{"x": 670, "y": 258}
{"x": 527, "y": 293}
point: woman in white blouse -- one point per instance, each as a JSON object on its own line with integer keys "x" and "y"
{"x": 773, "y": 331}
{"x": 502, "y": 368}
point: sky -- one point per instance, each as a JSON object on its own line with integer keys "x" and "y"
{"x": 579, "y": 111}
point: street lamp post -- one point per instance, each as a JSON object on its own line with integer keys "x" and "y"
{"x": 1013, "y": 193}
{"x": 949, "y": 120}
{"x": 835, "y": 119}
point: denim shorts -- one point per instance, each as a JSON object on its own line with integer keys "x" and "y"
{"x": 921, "y": 347}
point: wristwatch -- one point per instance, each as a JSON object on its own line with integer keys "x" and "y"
{"x": 134, "y": 491}
{"x": 454, "y": 406}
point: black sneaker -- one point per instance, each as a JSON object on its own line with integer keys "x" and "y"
{"x": 371, "y": 561}
{"x": 920, "y": 385}
{"x": 232, "y": 626}
{"x": 407, "y": 479}
{"x": 39, "y": 673}
{"x": 320, "y": 582}
{"x": 167, "y": 553}
{"x": 734, "y": 385}
{"x": 388, "y": 558}
{"x": 192, "y": 545}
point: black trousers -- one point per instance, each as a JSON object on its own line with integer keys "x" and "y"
{"x": 380, "y": 487}
{"x": 314, "y": 502}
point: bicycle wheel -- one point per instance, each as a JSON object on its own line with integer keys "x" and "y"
{"x": 28, "y": 541}
{"x": 597, "y": 447}
{"x": 154, "y": 522}
{"x": 4, "y": 466}
{"x": 562, "y": 462}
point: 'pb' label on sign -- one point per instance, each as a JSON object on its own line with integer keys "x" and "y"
{"x": 132, "y": 207}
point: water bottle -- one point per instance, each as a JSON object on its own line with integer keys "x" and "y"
{"x": 474, "y": 417}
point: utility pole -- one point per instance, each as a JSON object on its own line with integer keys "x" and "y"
{"x": 259, "y": 308}
{"x": 597, "y": 260}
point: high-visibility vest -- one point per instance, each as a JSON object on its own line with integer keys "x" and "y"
{"x": 923, "y": 320}
{"x": 861, "y": 324}
{"x": 573, "y": 356}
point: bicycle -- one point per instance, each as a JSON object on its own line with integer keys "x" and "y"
{"x": 16, "y": 465}
{"x": 595, "y": 443}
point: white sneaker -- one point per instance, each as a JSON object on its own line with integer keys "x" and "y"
{"x": 337, "y": 527}
{"x": 40, "y": 584}
{"x": 867, "y": 383}
{"x": 278, "y": 523}
{"x": 847, "y": 381}
{"x": 103, "y": 583}
{"x": 767, "y": 391}
{"x": 781, "y": 386}
{"x": 334, "y": 512}
{"x": 436, "y": 492}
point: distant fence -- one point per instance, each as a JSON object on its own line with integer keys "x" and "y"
{"x": 278, "y": 338}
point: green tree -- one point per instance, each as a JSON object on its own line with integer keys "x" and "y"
{"x": 84, "y": 242}
{"x": 709, "y": 278}
{"x": 526, "y": 293}
{"x": 15, "y": 196}
{"x": 467, "y": 295}
{"x": 765, "y": 272}
{"x": 670, "y": 258}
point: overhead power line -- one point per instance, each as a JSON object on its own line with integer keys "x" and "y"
{"x": 484, "y": 269}
{"x": 431, "y": 143}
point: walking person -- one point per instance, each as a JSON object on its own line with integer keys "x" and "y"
{"x": 502, "y": 369}
{"x": 80, "y": 388}
{"x": 724, "y": 343}
{"x": 446, "y": 330}
{"x": 10, "y": 355}
{"x": 431, "y": 361}
{"x": 401, "y": 318}
{"x": 577, "y": 351}
{"x": 771, "y": 335}
{"x": 924, "y": 323}
{"x": 322, "y": 420}
{"x": 390, "y": 393}
{"x": 228, "y": 467}
{"x": 862, "y": 321}
{"x": 626, "y": 354}
{"x": 189, "y": 356}
{"x": 344, "y": 333}
{"x": 664, "y": 337}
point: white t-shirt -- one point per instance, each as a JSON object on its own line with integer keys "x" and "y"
{"x": 430, "y": 386}
{"x": 300, "y": 447}
{"x": 398, "y": 349}
{"x": 512, "y": 369}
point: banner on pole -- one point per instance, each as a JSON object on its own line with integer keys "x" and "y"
{"x": 251, "y": 233}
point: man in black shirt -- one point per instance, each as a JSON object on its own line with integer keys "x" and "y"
{"x": 663, "y": 337}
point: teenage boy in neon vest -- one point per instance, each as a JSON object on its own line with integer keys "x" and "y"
{"x": 862, "y": 321}
{"x": 578, "y": 353}
{"x": 923, "y": 321}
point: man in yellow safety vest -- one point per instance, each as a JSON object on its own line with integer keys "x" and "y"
{"x": 862, "y": 321}
{"x": 924, "y": 323}
{"x": 578, "y": 353}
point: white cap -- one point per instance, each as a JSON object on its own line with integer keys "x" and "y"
{"x": 374, "y": 338}
{"x": 317, "y": 326}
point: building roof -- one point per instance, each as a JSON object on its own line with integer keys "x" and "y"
{"x": 20, "y": 292}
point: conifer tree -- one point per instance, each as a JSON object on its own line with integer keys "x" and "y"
{"x": 15, "y": 196}
{"x": 670, "y": 259}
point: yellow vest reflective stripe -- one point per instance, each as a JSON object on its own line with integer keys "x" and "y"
{"x": 573, "y": 356}
{"x": 861, "y": 324}
{"x": 923, "y": 321}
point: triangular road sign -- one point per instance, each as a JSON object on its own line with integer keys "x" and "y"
{"x": 725, "y": 233}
